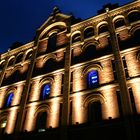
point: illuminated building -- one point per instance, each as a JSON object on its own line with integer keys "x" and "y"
{"x": 75, "y": 79}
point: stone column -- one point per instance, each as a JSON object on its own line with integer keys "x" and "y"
{"x": 22, "y": 111}
{"x": 125, "y": 98}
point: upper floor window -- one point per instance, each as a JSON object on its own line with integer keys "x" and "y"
{"x": 52, "y": 42}
{"x": 19, "y": 58}
{"x": 46, "y": 89}
{"x": 76, "y": 38}
{"x": 28, "y": 55}
{"x": 103, "y": 28}
{"x": 119, "y": 22}
{"x": 93, "y": 79}
{"x": 134, "y": 16}
{"x": 89, "y": 32}
{"x": 9, "y": 99}
{"x": 11, "y": 62}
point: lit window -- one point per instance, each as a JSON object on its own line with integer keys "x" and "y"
{"x": 9, "y": 99}
{"x": 45, "y": 91}
{"x": 93, "y": 79}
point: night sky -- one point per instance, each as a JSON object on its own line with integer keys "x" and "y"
{"x": 19, "y": 19}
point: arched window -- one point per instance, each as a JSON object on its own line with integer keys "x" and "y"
{"x": 134, "y": 16}
{"x": 103, "y": 28}
{"x": 41, "y": 121}
{"x": 2, "y": 65}
{"x": 89, "y": 53}
{"x": 119, "y": 22}
{"x": 92, "y": 79}
{"x": 94, "y": 112}
{"x": 29, "y": 55}
{"x": 89, "y": 32}
{"x": 46, "y": 89}
{"x": 11, "y": 62}
{"x": 52, "y": 42}
{"x": 9, "y": 100}
{"x": 76, "y": 38}
{"x": 19, "y": 58}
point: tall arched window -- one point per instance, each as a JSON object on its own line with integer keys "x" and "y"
{"x": 92, "y": 79}
{"x": 9, "y": 100}
{"x": 41, "y": 121}
{"x": 94, "y": 112}
{"x": 46, "y": 89}
{"x": 52, "y": 42}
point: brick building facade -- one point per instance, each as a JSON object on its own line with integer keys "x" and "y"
{"x": 80, "y": 77}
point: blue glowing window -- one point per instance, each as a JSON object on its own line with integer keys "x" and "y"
{"x": 46, "y": 91}
{"x": 93, "y": 80}
{"x": 9, "y": 99}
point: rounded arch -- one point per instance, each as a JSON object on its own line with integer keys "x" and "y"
{"x": 3, "y": 60}
{"x": 119, "y": 21}
{"x": 45, "y": 86}
{"x": 11, "y": 89}
{"x": 11, "y": 61}
{"x": 94, "y": 42}
{"x": 2, "y": 63}
{"x": 55, "y": 25}
{"x": 42, "y": 108}
{"x": 52, "y": 64}
{"x": 102, "y": 27}
{"x": 134, "y": 29}
{"x": 133, "y": 16}
{"x": 118, "y": 17}
{"x": 75, "y": 32}
{"x": 46, "y": 58}
{"x": 10, "y": 93}
{"x": 90, "y": 68}
{"x": 46, "y": 80}
{"x": 76, "y": 37}
{"x": 41, "y": 116}
{"x": 101, "y": 23}
{"x": 135, "y": 34}
{"x": 28, "y": 54}
{"x": 88, "y": 32}
{"x": 19, "y": 58}
{"x": 92, "y": 98}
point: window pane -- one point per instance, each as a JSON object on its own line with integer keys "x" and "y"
{"x": 45, "y": 91}
{"x": 9, "y": 99}
{"x": 93, "y": 79}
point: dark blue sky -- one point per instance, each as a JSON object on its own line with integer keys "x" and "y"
{"x": 19, "y": 19}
